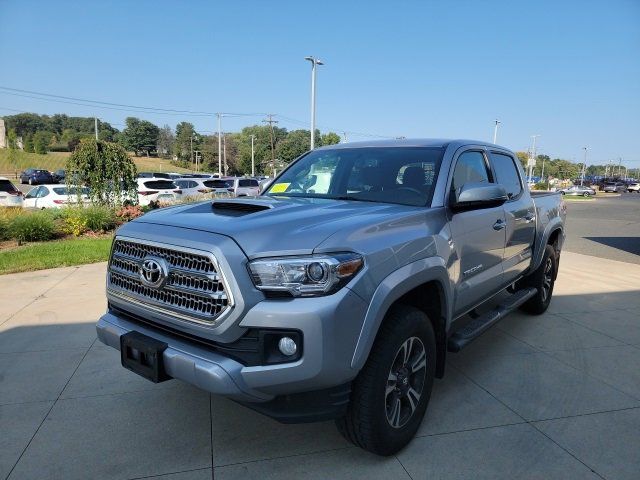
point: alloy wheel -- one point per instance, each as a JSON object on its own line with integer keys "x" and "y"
{"x": 405, "y": 382}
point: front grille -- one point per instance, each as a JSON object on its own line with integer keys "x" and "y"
{"x": 193, "y": 289}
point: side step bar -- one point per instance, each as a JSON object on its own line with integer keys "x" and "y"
{"x": 481, "y": 324}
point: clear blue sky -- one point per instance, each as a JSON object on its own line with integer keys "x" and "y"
{"x": 567, "y": 70}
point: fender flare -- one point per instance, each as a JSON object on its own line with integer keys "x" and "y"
{"x": 394, "y": 286}
{"x": 550, "y": 229}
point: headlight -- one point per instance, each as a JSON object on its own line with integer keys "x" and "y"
{"x": 305, "y": 276}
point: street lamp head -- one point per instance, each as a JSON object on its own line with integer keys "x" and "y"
{"x": 314, "y": 60}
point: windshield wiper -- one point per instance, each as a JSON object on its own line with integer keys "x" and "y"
{"x": 351, "y": 197}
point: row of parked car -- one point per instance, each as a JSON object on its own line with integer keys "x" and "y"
{"x": 152, "y": 187}
{"x": 607, "y": 187}
{"x": 39, "y": 176}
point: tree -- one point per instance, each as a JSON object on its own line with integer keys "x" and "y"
{"x": 140, "y": 135}
{"x": 27, "y": 144}
{"x": 166, "y": 139}
{"x": 106, "y": 169}
{"x": 330, "y": 138}
{"x": 294, "y": 144}
{"x": 41, "y": 142}
{"x": 185, "y": 135}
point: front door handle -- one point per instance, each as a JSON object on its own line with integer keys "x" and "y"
{"x": 499, "y": 225}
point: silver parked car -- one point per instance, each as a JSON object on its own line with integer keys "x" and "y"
{"x": 578, "y": 190}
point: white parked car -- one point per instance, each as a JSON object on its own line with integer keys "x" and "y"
{"x": 54, "y": 196}
{"x": 193, "y": 187}
{"x": 633, "y": 187}
{"x": 243, "y": 186}
{"x": 10, "y": 196}
{"x": 157, "y": 190}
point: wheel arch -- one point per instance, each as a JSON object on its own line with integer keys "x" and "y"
{"x": 422, "y": 284}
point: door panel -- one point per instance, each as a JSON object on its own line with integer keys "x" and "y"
{"x": 480, "y": 250}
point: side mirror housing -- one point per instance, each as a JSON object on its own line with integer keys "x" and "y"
{"x": 473, "y": 196}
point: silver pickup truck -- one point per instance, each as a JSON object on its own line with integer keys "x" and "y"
{"x": 339, "y": 291}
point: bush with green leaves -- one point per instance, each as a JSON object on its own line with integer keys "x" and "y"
{"x": 106, "y": 169}
{"x": 32, "y": 227}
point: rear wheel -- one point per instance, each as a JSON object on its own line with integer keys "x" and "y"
{"x": 543, "y": 278}
{"x": 585, "y": 194}
{"x": 391, "y": 393}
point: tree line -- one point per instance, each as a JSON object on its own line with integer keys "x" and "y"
{"x": 273, "y": 146}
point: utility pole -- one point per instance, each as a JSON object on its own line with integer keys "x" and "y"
{"x": 271, "y": 121}
{"x": 191, "y": 158}
{"x": 224, "y": 147}
{"x": 542, "y": 173}
{"x": 219, "y": 143}
{"x": 96, "y": 126}
{"x": 584, "y": 165}
{"x": 495, "y": 131}
{"x": 314, "y": 63}
{"x": 197, "y": 153}
{"x": 253, "y": 160}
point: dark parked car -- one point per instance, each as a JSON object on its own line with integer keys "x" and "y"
{"x": 614, "y": 187}
{"x": 154, "y": 175}
{"x": 35, "y": 176}
{"x": 59, "y": 176}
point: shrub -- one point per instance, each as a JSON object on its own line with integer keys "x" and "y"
{"x": 7, "y": 214}
{"x": 32, "y": 227}
{"x": 99, "y": 219}
{"x": 128, "y": 213}
{"x": 74, "y": 222}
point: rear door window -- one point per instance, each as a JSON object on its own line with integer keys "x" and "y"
{"x": 507, "y": 173}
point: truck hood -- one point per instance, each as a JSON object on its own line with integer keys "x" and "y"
{"x": 267, "y": 226}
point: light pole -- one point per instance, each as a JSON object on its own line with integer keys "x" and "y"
{"x": 532, "y": 160}
{"x": 495, "y": 131}
{"x": 253, "y": 161}
{"x": 96, "y": 126}
{"x": 584, "y": 166}
{"x": 219, "y": 144}
{"x": 314, "y": 63}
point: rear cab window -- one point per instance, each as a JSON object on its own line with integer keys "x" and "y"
{"x": 247, "y": 182}
{"x": 218, "y": 183}
{"x": 507, "y": 174}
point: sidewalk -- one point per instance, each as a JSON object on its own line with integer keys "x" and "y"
{"x": 554, "y": 396}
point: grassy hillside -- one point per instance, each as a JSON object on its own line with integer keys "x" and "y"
{"x": 53, "y": 161}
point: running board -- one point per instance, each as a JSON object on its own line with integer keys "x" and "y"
{"x": 481, "y": 324}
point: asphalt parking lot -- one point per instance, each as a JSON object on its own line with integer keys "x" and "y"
{"x": 607, "y": 227}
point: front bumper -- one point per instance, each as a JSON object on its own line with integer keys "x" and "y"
{"x": 186, "y": 361}
{"x": 329, "y": 325}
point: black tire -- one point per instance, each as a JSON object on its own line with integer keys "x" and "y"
{"x": 375, "y": 395}
{"x": 30, "y": 182}
{"x": 585, "y": 194}
{"x": 543, "y": 278}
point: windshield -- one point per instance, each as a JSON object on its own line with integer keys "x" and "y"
{"x": 402, "y": 175}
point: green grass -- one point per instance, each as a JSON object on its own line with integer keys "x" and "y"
{"x": 54, "y": 160}
{"x": 59, "y": 253}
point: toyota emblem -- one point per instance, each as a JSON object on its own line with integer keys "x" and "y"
{"x": 153, "y": 272}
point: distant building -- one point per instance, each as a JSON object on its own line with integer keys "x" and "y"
{"x": 3, "y": 134}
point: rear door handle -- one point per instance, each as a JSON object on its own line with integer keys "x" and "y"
{"x": 530, "y": 218}
{"x": 499, "y": 225}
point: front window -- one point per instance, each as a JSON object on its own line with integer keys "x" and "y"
{"x": 400, "y": 175}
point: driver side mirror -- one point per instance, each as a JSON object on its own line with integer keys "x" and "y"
{"x": 473, "y": 196}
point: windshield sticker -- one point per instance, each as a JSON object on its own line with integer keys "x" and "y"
{"x": 279, "y": 188}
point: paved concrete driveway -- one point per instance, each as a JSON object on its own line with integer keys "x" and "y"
{"x": 556, "y": 396}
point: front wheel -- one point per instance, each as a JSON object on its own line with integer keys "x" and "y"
{"x": 543, "y": 278}
{"x": 585, "y": 194}
{"x": 391, "y": 393}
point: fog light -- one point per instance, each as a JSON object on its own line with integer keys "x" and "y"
{"x": 287, "y": 346}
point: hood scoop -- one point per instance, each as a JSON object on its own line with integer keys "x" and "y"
{"x": 237, "y": 208}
